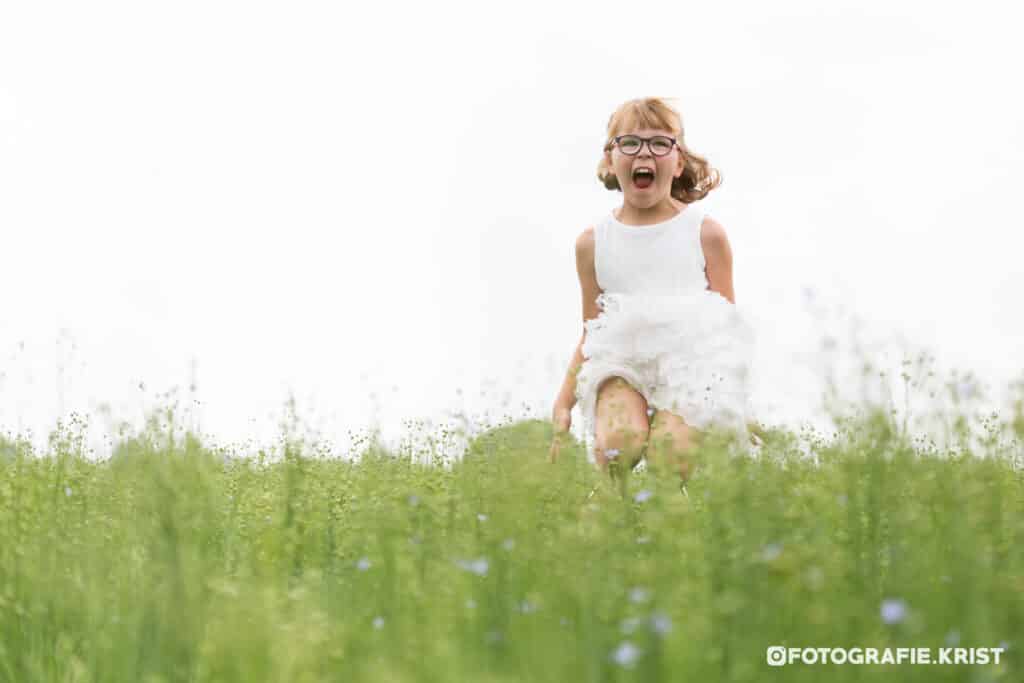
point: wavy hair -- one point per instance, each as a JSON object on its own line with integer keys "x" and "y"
{"x": 698, "y": 177}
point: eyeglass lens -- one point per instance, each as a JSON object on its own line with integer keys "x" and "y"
{"x": 659, "y": 146}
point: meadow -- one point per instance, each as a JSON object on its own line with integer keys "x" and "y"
{"x": 175, "y": 560}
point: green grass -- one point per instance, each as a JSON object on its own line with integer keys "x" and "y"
{"x": 172, "y": 562}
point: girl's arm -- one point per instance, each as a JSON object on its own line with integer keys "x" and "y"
{"x": 589, "y": 291}
{"x": 561, "y": 415}
{"x": 717, "y": 258}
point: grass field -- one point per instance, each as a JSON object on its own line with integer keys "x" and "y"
{"x": 173, "y": 561}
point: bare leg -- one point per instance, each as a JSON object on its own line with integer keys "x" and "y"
{"x": 672, "y": 444}
{"x": 622, "y": 430}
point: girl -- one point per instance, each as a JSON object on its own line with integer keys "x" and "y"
{"x": 664, "y": 355}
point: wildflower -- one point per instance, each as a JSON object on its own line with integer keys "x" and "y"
{"x": 643, "y": 496}
{"x": 378, "y": 623}
{"x": 67, "y": 491}
{"x": 771, "y": 551}
{"x": 470, "y": 603}
{"x": 363, "y": 564}
{"x": 661, "y": 623}
{"x": 893, "y": 611}
{"x": 626, "y": 654}
{"x": 966, "y": 388}
{"x": 953, "y": 638}
{"x": 508, "y": 544}
{"x": 643, "y": 539}
{"x": 638, "y": 595}
{"x": 526, "y": 608}
{"x": 494, "y": 637}
{"x": 482, "y": 517}
{"x": 565, "y": 621}
{"x": 612, "y": 452}
{"x": 477, "y": 566}
{"x": 650, "y": 411}
{"x": 414, "y": 500}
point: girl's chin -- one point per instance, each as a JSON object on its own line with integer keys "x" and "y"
{"x": 645, "y": 195}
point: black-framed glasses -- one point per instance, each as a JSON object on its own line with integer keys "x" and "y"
{"x": 660, "y": 145}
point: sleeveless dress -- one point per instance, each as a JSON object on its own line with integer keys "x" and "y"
{"x": 685, "y": 348}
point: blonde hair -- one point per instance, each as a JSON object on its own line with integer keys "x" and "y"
{"x": 698, "y": 177}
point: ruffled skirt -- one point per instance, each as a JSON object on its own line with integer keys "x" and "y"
{"x": 690, "y": 354}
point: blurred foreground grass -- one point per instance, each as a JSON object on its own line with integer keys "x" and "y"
{"x": 173, "y": 562}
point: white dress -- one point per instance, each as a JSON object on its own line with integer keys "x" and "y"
{"x": 685, "y": 348}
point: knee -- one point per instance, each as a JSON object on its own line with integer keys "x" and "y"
{"x": 624, "y": 443}
{"x": 631, "y": 435}
{"x": 674, "y": 438}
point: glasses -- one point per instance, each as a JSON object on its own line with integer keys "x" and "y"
{"x": 660, "y": 145}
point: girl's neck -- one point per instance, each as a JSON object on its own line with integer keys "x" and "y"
{"x": 660, "y": 212}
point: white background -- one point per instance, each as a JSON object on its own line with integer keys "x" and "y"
{"x": 374, "y": 209}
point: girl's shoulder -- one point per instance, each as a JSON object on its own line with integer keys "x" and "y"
{"x": 587, "y": 237}
{"x": 712, "y": 233}
{"x": 593, "y": 225}
{"x": 585, "y": 240}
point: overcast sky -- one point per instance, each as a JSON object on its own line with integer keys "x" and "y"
{"x": 374, "y": 208}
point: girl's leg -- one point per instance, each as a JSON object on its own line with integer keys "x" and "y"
{"x": 671, "y": 444}
{"x": 621, "y": 429}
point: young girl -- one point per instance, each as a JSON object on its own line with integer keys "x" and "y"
{"x": 664, "y": 355}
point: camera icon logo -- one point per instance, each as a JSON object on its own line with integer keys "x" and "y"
{"x": 776, "y": 655}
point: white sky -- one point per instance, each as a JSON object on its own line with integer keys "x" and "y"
{"x": 373, "y": 207}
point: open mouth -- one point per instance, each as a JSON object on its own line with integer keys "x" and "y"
{"x": 643, "y": 178}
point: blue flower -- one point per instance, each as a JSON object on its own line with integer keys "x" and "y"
{"x": 478, "y": 566}
{"x": 626, "y": 654}
{"x": 661, "y": 623}
{"x": 893, "y": 611}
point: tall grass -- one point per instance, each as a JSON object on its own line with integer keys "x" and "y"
{"x": 178, "y": 561}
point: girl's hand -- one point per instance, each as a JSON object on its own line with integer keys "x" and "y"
{"x": 562, "y": 420}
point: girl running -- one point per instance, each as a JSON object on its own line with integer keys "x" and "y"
{"x": 665, "y": 355}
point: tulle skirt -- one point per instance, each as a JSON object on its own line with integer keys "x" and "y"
{"x": 689, "y": 354}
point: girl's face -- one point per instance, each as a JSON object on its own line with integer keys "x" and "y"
{"x": 625, "y": 164}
